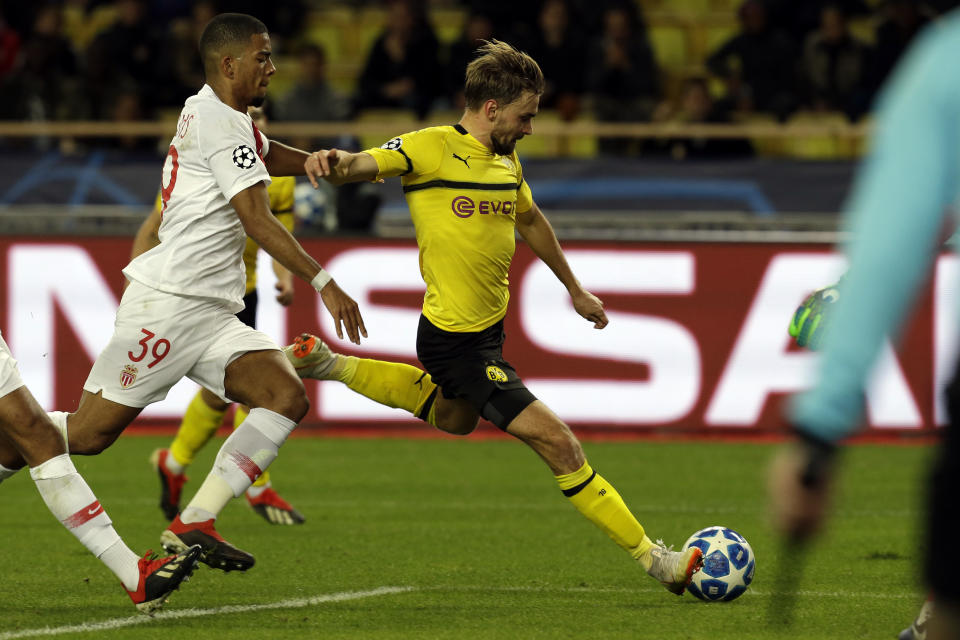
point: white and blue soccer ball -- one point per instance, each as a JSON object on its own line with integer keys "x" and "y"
{"x": 728, "y": 564}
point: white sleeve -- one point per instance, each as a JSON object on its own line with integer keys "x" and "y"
{"x": 231, "y": 153}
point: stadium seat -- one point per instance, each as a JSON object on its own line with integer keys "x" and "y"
{"x": 553, "y": 146}
{"x": 763, "y": 145}
{"x": 669, "y": 43}
{"x": 447, "y": 24}
{"x": 817, "y": 147}
{"x": 404, "y": 120}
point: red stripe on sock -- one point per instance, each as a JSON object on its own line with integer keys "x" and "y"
{"x": 84, "y": 515}
{"x": 246, "y": 465}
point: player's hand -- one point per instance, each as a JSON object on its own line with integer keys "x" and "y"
{"x": 798, "y": 507}
{"x": 284, "y": 291}
{"x": 321, "y": 164}
{"x": 810, "y": 319}
{"x": 590, "y": 307}
{"x": 345, "y": 312}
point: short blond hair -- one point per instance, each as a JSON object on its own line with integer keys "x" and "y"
{"x": 501, "y": 73}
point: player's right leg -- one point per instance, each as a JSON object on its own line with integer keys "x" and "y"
{"x": 24, "y": 425}
{"x": 592, "y": 495}
{"x": 203, "y": 417}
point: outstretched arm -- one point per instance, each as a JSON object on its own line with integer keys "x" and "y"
{"x": 339, "y": 167}
{"x": 253, "y": 207}
{"x": 536, "y": 231}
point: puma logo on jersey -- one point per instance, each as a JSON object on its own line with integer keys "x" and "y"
{"x": 463, "y": 160}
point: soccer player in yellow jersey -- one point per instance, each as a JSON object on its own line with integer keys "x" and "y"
{"x": 467, "y": 196}
{"x": 206, "y": 411}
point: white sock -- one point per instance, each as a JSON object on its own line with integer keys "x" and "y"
{"x": 72, "y": 502}
{"x": 171, "y": 464}
{"x": 59, "y": 420}
{"x": 243, "y": 457}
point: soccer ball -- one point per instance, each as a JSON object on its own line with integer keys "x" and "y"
{"x": 728, "y": 564}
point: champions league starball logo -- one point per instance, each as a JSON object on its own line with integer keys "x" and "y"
{"x": 392, "y": 145}
{"x": 244, "y": 157}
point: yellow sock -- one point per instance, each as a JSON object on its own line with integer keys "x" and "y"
{"x": 199, "y": 424}
{"x": 600, "y": 503}
{"x": 393, "y": 384}
{"x": 238, "y": 417}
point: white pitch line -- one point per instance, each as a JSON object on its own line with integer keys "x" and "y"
{"x": 177, "y": 614}
{"x": 752, "y": 592}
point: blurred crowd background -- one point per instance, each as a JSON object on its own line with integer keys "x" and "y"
{"x": 708, "y": 61}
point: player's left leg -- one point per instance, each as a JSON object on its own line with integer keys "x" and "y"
{"x": 528, "y": 419}
{"x": 265, "y": 381}
{"x": 261, "y": 496}
{"x": 200, "y": 421}
{"x": 393, "y": 384}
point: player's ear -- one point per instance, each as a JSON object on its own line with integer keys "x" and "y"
{"x": 490, "y": 109}
{"x": 227, "y": 65}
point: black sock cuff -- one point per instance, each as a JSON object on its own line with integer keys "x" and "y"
{"x": 572, "y": 491}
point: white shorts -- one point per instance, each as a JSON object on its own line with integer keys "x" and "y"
{"x": 10, "y": 379}
{"x": 160, "y": 337}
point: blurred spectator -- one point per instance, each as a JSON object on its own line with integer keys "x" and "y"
{"x": 510, "y": 19}
{"x": 403, "y": 67}
{"x": 477, "y": 28}
{"x": 9, "y": 47}
{"x": 559, "y": 49}
{"x": 183, "y": 58}
{"x": 696, "y": 105}
{"x": 129, "y": 52}
{"x": 45, "y": 85}
{"x": 84, "y": 20}
{"x": 623, "y": 75}
{"x": 757, "y": 65}
{"x": 835, "y": 66}
{"x": 313, "y": 99}
{"x": 126, "y": 105}
{"x": 800, "y": 19}
{"x": 902, "y": 20}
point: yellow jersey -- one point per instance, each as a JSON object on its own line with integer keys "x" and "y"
{"x": 464, "y": 201}
{"x": 280, "y": 191}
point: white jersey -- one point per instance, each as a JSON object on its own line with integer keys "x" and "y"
{"x": 216, "y": 153}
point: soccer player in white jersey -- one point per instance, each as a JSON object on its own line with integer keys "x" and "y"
{"x": 176, "y": 317}
{"x": 148, "y": 581}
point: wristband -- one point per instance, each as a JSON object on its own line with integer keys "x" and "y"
{"x": 320, "y": 280}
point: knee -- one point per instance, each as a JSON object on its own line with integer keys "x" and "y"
{"x": 457, "y": 427}
{"x": 89, "y": 443}
{"x": 293, "y": 403}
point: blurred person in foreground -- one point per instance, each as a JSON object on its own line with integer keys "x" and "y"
{"x": 898, "y": 207}
{"x": 206, "y": 411}
{"x": 177, "y": 319}
{"x": 468, "y": 198}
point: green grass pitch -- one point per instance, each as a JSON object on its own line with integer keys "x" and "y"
{"x": 478, "y": 542}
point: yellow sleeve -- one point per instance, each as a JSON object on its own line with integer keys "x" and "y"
{"x": 414, "y": 153}
{"x": 280, "y": 191}
{"x": 158, "y": 204}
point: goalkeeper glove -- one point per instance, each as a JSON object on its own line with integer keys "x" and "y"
{"x": 811, "y": 318}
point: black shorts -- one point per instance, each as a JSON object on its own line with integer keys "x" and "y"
{"x": 943, "y": 517}
{"x": 248, "y": 315}
{"x": 470, "y": 365}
